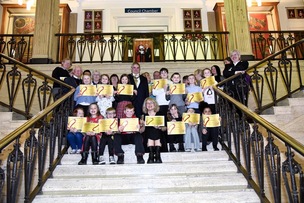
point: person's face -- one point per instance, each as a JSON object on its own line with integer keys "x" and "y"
{"x": 124, "y": 80}
{"x": 66, "y": 64}
{"x": 114, "y": 80}
{"x": 104, "y": 79}
{"x": 150, "y": 105}
{"x": 86, "y": 80}
{"x": 156, "y": 75}
{"x": 78, "y": 72}
{"x": 186, "y": 81}
{"x": 93, "y": 110}
{"x": 235, "y": 57}
{"x": 111, "y": 114}
{"x": 207, "y": 73}
{"x": 96, "y": 77}
{"x": 164, "y": 74}
{"x": 80, "y": 113}
{"x": 148, "y": 77}
{"x": 207, "y": 111}
{"x": 135, "y": 69}
{"x": 191, "y": 79}
{"x": 190, "y": 111}
{"x": 129, "y": 113}
{"x": 213, "y": 70}
{"x": 198, "y": 77}
{"x": 173, "y": 110}
{"x": 176, "y": 79}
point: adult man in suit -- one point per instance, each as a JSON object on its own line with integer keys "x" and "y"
{"x": 140, "y": 84}
{"x": 75, "y": 79}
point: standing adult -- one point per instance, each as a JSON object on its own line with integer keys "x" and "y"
{"x": 60, "y": 73}
{"x": 140, "y": 84}
{"x": 75, "y": 79}
{"x": 238, "y": 87}
{"x": 148, "y": 54}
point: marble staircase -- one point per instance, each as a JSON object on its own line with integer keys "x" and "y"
{"x": 182, "y": 177}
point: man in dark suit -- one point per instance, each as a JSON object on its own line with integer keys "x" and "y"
{"x": 140, "y": 84}
{"x": 75, "y": 79}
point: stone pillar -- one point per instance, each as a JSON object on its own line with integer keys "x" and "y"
{"x": 46, "y": 26}
{"x": 238, "y": 27}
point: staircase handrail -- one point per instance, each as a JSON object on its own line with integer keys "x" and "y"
{"x": 41, "y": 136}
{"x": 242, "y": 139}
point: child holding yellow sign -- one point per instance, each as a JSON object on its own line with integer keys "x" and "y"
{"x": 210, "y": 128}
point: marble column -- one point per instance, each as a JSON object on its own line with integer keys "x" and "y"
{"x": 238, "y": 27}
{"x": 46, "y": 26}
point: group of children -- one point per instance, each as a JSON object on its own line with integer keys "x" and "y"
{"x": 171, "y": 106}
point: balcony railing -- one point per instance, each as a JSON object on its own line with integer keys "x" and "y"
{"x": 170, "y": 46}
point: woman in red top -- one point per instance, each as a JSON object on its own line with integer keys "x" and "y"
{"x": 91, "y": 138}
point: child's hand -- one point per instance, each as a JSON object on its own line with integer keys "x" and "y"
{"x": 108, "y": 96}
{"x": 90, "y": 133}
{"x": 109, "y": 132}
{"x": 121, "y": 128}
{"x": 73, "y": 130}
{"x": 204, "y": 131}
{"x": 135, "y": 92}
{"x": 115, "y": 92}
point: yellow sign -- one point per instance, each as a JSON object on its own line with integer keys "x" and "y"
{"x": 154, "y": 121}
{"x": 125, "y": 89}
{"x": 129, "y": 124}
{"x": 193, "y": 118}
{"x": 178, "y": 88}
{"x": 206, "y": 82}
{"x": 160, "y": 83}
{"x": 211, "y": 120}
{"x": 176, "y": 128}
{"x": 195, "y": 97}
{"x": 90, "y": 127}
{"x": 110, "y": 124}
{"x": 104, "y": 90}
{"x": 87, "y": 90}
{"x": 76, "y": 122}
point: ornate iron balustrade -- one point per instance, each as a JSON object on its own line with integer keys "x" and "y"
{"x": 17, "y": 46}
{"x": 266, "y": 43}
{"x": 121, "y": 47}
{"x": 282, "y": 70}
{"x": 270, "y": 161}
{"x": 32, "y": 151}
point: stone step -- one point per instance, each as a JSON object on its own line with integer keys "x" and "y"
{"x": 167, "y": 168}
{"x": 219, "y": 196}
{"x": 6, "y": 116}
{"x": 72, "y": 159}
{"x": 299, "y": 101}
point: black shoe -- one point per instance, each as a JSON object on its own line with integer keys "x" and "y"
{"x": 181, "y": 147}
{"x": 151, "y": 155}
{"x": 215, "y": 149}
{"x": 204, "y": 149}
{"x": 157, "y": 155}
{"x": 84, "y": 157}
{"x": 140, "y": 159}
{"x": 172, "y": 148}
{"x": 120, "y": 159}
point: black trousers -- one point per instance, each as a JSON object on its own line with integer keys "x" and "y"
{"x": 213, "y": 133}
{"x": 123, "y": 139}
{"x": 106, "y": 140}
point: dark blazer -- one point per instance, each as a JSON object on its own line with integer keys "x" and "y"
{"x": 142, "y": 94}
{"x": 71, "y": 81}
{"x": 231, "y": 68}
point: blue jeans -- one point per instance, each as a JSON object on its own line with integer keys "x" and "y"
{"x": 191, "y": 132}
{"x": 75, "y": 140}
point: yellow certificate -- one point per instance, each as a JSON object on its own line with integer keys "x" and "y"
{"x": 104, "y": 90}
{"x": 176, "y": 128}
{"x": 109, "y": 124}
{"x": 211, "y": 120}
{"x": 206, "y": 82}
{"x": 178, "y": 89}
{"x": 90, "y": 127}
{"x": 87, "y": 90}
{"x": 76, "y": 122}
{"x": 125, "y": 89}
{"x": 191, "y": 118}
{"x": 154, "y": 121}
{"x": 160, "y": 83}
{"x": 195, "y": 97}
{"x": 130, "y": 124}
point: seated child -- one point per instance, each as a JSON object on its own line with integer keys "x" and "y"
{"x": 191, "y": 133}
{"x": 209, "y": 132}
{"x": 90, "y": 138}
{"x": 129, "y": 138}
{"x": 107, "y": 139}
{"x": 74, "y": 138}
